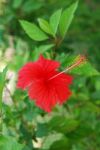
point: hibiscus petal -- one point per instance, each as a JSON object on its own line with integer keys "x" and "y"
{"x": 48, "y": 65}
{"x": 67, "y": 78}
{"x": 44, "y": 97}
{"x": 62, "y": 92}
{"x": 61, "y": 84}
{"x": 27, "y": 74}
{"x": 47, "y": 101}
{"x": 36, "y": 89}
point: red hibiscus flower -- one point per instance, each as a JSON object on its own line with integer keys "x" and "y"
{"x": 45, "y": 84}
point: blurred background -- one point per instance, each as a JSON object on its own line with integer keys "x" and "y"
{"x": 74, "y": 126}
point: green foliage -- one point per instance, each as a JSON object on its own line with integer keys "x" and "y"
{"x": 57, "y": 19}
{"x": 17, "y": 3}
{"x": 76, "y": 124}
{"x": 33, "y": 31}
{"x": 2, "y": 83}
{"x": 45, "y": 26}
{"x": 40, "y": 50}
{"x": 66, "y": 18}
{"x": 85, "y": 69}
{"x": 9, "y": 143}
{"x": 50, "y": 139}
{"x": 61, "y": 144}
{"x": 54, "y": 20}
{"x": 63, "y": 125}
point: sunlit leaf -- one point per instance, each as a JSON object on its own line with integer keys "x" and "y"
{"x": 66, "y": 18}
{"x": 54, "y": 20}
{"x": 33, "y": 31}
{"x": 44, "y": 25}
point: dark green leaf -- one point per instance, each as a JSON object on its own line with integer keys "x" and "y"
{"x": 42, "y": 130}
{"x": 60, "y": 144}
{"x": 63, "y": 125}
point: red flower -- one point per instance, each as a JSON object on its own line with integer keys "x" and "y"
{"x": 44, "y": 86}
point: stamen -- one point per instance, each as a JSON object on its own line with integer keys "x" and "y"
{"x": 81, "y": 60}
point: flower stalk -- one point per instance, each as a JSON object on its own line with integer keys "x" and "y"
{"x": 81, "y": 60}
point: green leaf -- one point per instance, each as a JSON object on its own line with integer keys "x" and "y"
{"x": 40, "y": 50}
{"x": 42, "y": 130}
{"x": 60, "y": 144}
{"x": 17, "y": 3}
{"x": 2, "y": 83}
{"x": 9, "y": 143}
{"x": 85, "y": 69}
{"x": 63, "y": 125}
{"x": 28, "y": 6}
{"x": 50, "y": 139}
{"x": 33, "y": 31}
{"x": 44, "y": 25}
{"x": 54, "y": 20}
{"x": 66, "y": 18}
{"x": 66, "y": 59}
{"x": 44, "y": 48}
